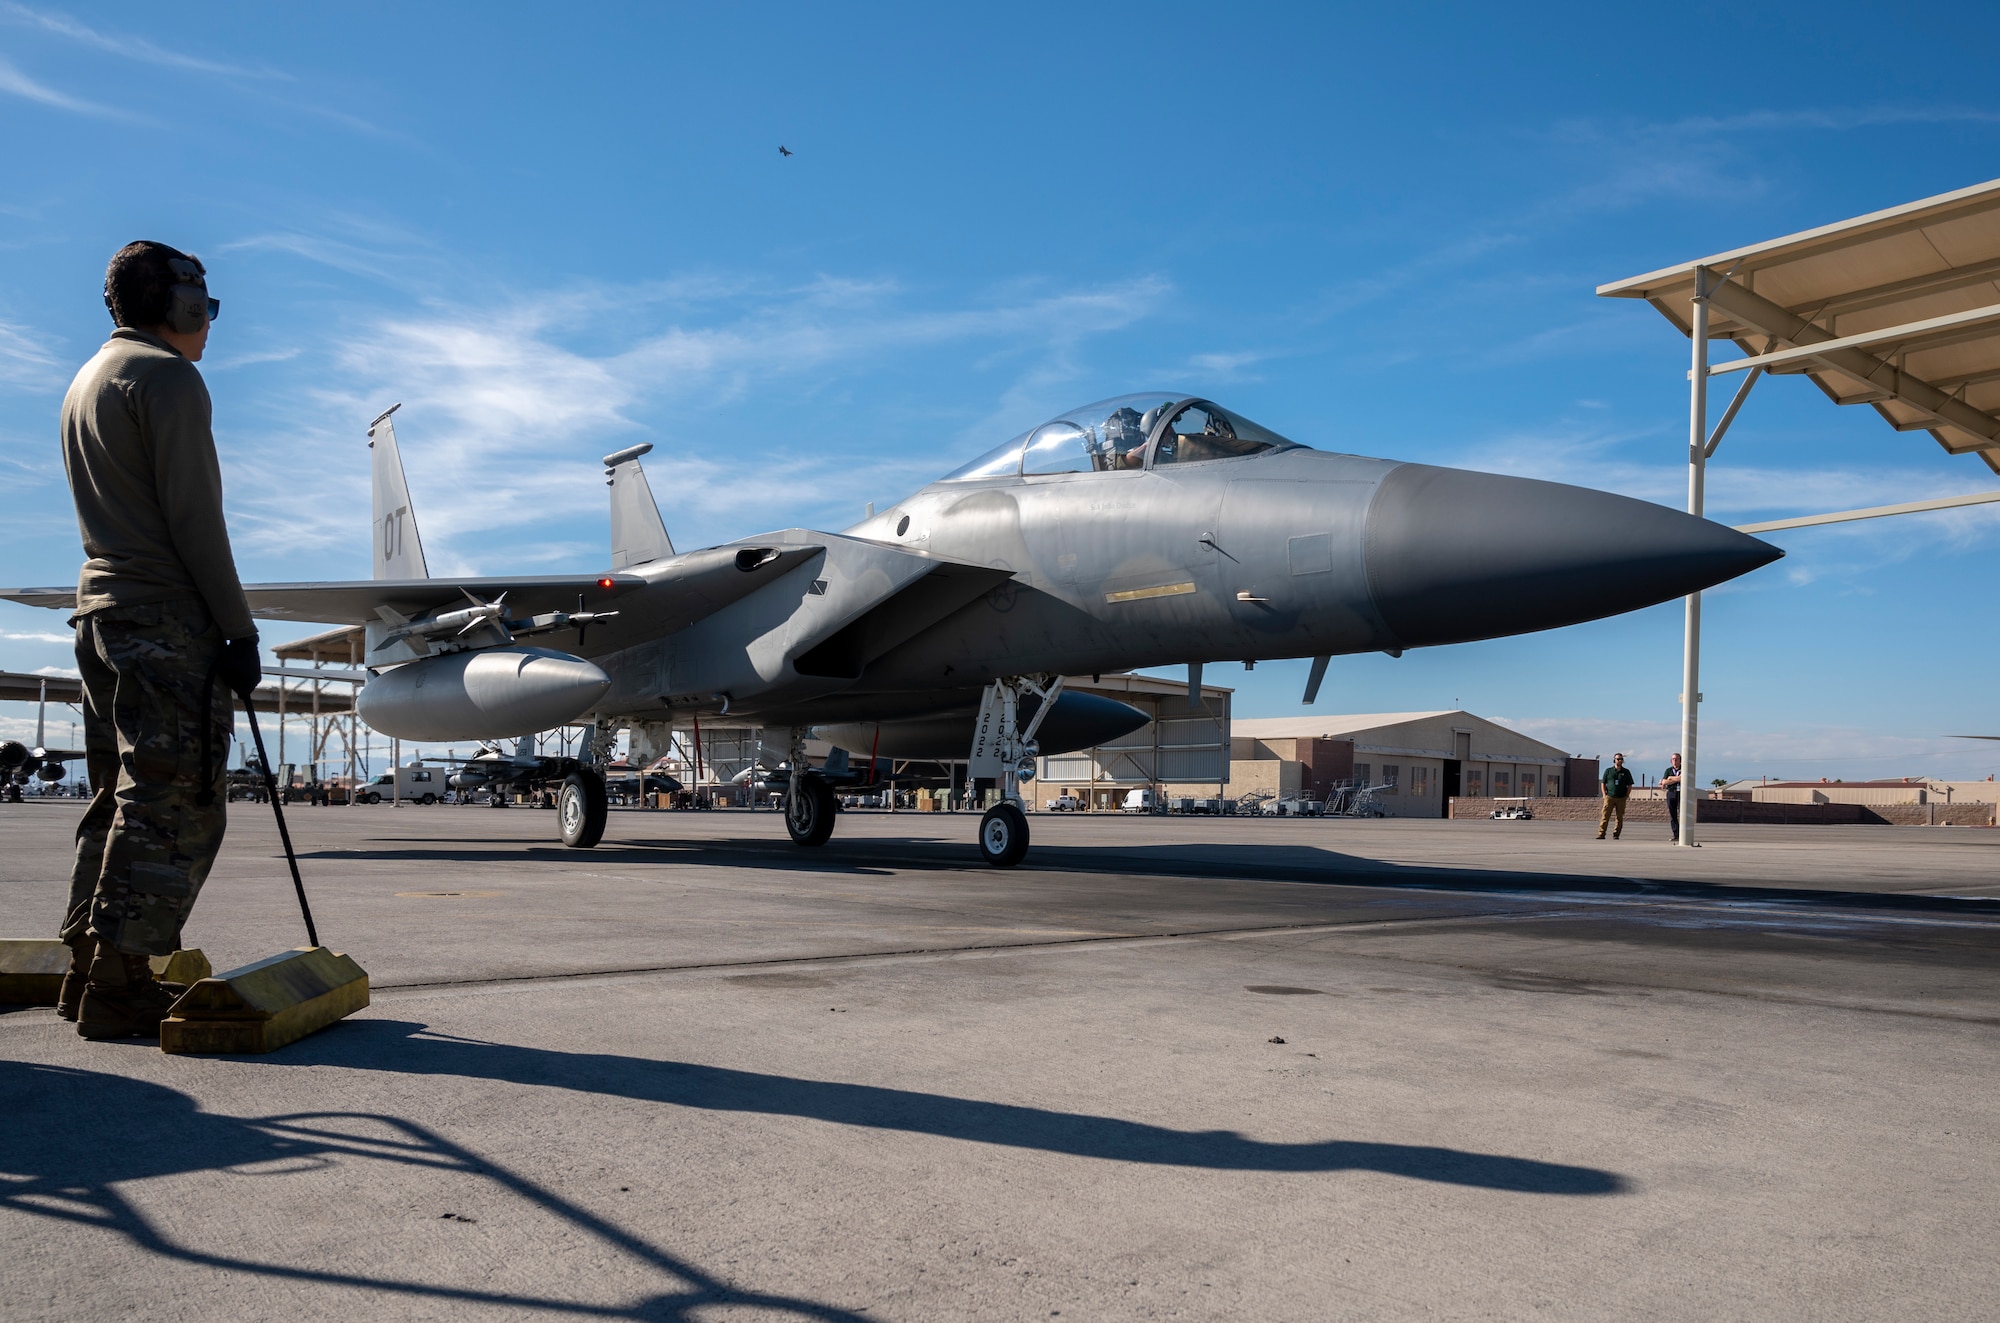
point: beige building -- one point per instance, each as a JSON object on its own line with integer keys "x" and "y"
{"x": 1415, "y": 761}
{"x": 1900, "y": 790}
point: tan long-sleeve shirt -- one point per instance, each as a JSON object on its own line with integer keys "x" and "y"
{"x": 141, "y": 462}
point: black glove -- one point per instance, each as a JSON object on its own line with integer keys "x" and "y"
{"x": 241, "y": 670}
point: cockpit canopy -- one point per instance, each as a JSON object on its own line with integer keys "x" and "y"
{"x": 1126, "y": 433}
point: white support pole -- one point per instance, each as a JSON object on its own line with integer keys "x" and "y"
{"x": 1697, "y": 475}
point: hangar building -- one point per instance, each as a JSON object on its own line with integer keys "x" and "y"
{"x": 1417, "y": 759}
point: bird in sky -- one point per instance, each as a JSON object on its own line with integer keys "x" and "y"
{"x": 785, "y": 151}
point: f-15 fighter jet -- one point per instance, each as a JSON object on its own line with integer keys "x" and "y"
{"x": 1145, "y": 530}
{"x": 18, "y": 762}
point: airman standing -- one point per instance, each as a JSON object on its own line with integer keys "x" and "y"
{"x": 163, "y": 635}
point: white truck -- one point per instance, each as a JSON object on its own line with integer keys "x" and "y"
{"x": 1065, "y": 803}
{"x": 415, "y": 782}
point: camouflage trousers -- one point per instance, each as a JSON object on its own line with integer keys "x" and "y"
{"x": 146, "y": 843}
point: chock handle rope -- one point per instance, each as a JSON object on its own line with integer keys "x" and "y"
{"x": 271, "y": 788}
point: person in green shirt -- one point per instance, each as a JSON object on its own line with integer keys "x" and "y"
{"x": 1617, "y": 791}
{"x": 163, "y": 635}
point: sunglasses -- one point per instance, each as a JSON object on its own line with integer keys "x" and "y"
{"x": 214, "y": 309}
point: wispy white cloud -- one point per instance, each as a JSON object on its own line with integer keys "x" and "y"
{"x": 16, "y": 83}
{"x": 37, "y": 636}
{"x": 257, "y": 81}
{"x": 25, "y": 360}
{"x": 1227, "y": 366}
{"x": 132, "y": 48}
{"x": 228, "y": 364}
{"x": 380, "y": 257}
{"x": 506, "y": 408}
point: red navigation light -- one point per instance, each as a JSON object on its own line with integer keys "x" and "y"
{"x": 607, "y": 583}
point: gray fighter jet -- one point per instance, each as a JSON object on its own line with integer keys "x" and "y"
{"x": 18, "y": 762}
{"x": 1140, "y": 531}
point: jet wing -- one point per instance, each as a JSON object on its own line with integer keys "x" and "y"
{"x": 353, "y": 601}
{"x": 688, "y": 586}
{"x": 21, "y": 687}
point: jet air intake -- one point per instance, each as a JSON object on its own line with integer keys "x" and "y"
{"x": 487, "y": 694}
{"x": 1454, "y": 556}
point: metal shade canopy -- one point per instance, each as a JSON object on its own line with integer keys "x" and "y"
{"x": 1898, "y": 309}
{"x": 17, "y": 687}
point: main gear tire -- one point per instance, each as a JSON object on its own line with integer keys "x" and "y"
{"x": 1003, "y": 835}
{"x": 809, "y": 814}
{"x": 581, "y": 808}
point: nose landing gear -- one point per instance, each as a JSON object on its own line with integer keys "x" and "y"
{"x": 1003, "y": 835}
{"x": 1004, "y": 752}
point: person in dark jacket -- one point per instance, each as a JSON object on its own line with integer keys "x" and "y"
{"x": 1670, "y": 780}
{"x": 1617, "y": 781}
{"x": 163, "y": 635}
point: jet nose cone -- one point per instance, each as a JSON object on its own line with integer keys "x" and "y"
{"x": 1454, "y": 556}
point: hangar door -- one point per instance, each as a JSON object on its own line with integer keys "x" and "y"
{"x": 1179, "y": 745}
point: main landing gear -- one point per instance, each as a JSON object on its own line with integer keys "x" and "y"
{"x": 581, "y": 808}
{"x": 1004, "y": 752}
{"x": 581, "y": 804}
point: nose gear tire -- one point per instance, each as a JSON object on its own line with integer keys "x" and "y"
{"x": 1003, "y": 835}
{"x": 581, "y": 808}
{"x": 809, "y": 814}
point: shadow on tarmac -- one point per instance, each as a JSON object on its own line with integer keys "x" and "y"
{"x": 74, "y": 1136}
{"x": 403, "y": 1046}
{"x": 1308, "y": 864}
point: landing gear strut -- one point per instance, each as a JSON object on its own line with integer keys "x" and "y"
{"x": 809, "y": 806}
{"x": 1002, "y": 751}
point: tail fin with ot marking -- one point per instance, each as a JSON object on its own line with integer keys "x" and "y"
{"x": 398, "y": 551}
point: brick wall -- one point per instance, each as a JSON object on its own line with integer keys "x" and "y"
{"x": 1323, "y": 764}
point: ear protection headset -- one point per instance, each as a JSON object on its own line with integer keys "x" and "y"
{"x": 188, "y": 306}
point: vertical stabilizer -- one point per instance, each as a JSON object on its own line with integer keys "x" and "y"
{"x": 399, "y": 552}
{"x": 638, "y": 535}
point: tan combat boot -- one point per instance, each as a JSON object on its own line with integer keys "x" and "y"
{"x": 81, "y": 952}
{"x": 122, "y": 998}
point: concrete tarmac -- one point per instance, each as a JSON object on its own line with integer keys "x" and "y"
{"x": 1170, "y": 1068}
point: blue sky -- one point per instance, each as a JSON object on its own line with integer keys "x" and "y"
{"x": 554, "y": 231}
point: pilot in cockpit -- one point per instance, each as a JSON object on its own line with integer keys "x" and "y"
{"x": 1124, "y": 442}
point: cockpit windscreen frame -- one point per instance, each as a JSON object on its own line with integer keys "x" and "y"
{"x": 1114, "y": 436}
